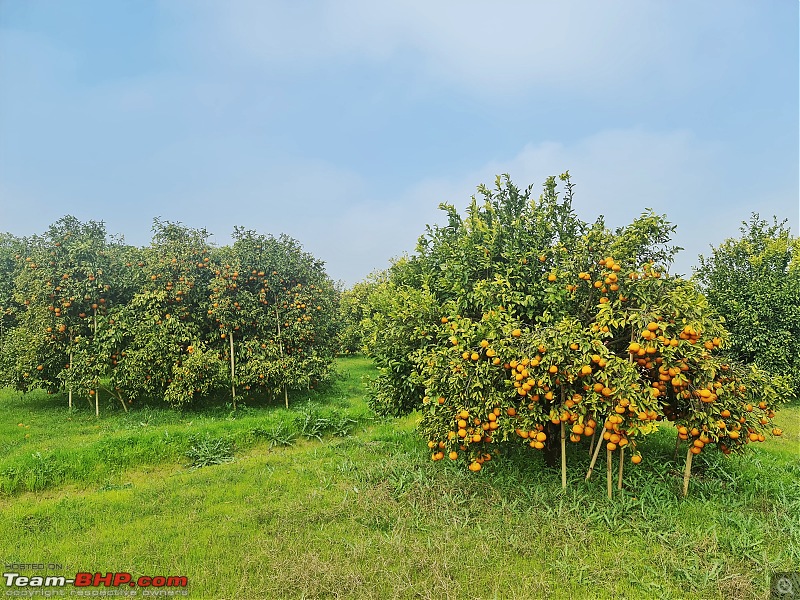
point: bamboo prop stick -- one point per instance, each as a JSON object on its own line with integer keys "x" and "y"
{"x": 233, "y": 374}
{"x": 70, "y": 389}
{"x": 121, "y": 401}
{"x": 563, "y": 457}
{"x": 280, "y": 347}
{"x": 594, "y": 458}
{"x": 687, "y": 472}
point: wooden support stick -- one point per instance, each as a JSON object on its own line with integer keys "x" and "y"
{"x": 687, "y": 472}
{"x": 70, "y": 389}
{"x": 563, "y": 457}
{"x": 594, "y": 458}
{"x": 233, "y": 374}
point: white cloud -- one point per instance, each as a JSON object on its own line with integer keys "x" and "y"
{"x": 617, "y": 173}
{"x": 492, "y": 49}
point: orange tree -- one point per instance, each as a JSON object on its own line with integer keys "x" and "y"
{"x": 12, "y": 249}
{"x": 754, "y": 282}
{"x": 520, "y": 324}
{"x": 66, "y": 288}
{"x": 272, "y": 306}
{"x": 156, "y": 341}
{"x": 353, "y": 304}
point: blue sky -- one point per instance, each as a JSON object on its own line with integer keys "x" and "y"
{"x": 345, "y": 123}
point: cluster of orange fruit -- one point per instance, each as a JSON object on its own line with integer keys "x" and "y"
{"x": 466, "y": 431}
{"x": 669, "y": 369}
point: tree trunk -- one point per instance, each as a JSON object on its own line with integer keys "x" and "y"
{"x": 551, "y": 446}
{"x": 609, "y": 475}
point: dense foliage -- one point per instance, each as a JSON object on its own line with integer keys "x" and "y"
{"x": 754, "y": 283}
{"x": 518, "y": 323}
{"x": 354, "y": 308}
{"x": 176, "y": 320}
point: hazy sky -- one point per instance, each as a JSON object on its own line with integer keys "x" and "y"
{"x": 345, "y": 123}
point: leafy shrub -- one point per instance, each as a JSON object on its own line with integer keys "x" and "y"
{"x": 278, "y": 435}
{"x": 210, "y": 451}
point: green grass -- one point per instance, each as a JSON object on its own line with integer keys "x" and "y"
{"x": 43, "y": 444}
{"x": 370, "y": 516}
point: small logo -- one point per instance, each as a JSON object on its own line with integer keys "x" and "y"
{"x": 785, "y": 586}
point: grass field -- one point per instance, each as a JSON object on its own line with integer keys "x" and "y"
{"x": 326, "y": 501}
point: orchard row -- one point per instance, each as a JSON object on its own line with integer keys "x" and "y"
{"x": 177, "y": 320}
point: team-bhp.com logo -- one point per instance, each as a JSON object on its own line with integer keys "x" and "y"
{"x": 94, "y": 580}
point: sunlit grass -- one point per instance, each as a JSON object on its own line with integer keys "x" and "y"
{"x": 370, "y": 516}
{"x": 44, "y": 444}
